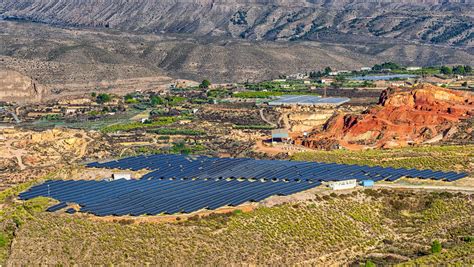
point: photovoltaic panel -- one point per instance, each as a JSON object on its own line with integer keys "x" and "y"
{"x": 178, "y": 183}
{"x": 179, "y": 166}
{"x": 156, "y": 196}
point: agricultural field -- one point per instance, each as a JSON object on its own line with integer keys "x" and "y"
{"x": 87, "y": 125}
{"x": 372, "y": 226}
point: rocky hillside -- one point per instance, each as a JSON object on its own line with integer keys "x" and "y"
{"x": 17, "y": 87}
{"x": 425, "y": 114}
{"x": 73, "y": 60}
{"x": 433, "y": 21}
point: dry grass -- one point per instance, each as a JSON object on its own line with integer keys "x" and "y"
{"x": 332, "y": 230}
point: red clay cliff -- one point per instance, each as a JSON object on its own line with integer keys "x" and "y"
{"x": 423, "y": 114}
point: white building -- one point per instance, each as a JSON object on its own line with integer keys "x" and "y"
{"x": 414, "y": 68}
{"x": 327, "y": 81}
{"x": 340, "y": 185}
{"x": 366, "y": 69}
{"x": 118, "y": 176}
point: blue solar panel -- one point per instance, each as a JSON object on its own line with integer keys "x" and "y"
{"x": 155, "y": 196}
{"x": 202, "y": 182}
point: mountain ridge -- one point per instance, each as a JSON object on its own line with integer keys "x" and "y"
{"x": 428, "y": 21}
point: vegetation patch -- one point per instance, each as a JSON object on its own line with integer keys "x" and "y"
{"x": 444, "y": 158}
{"x": 161, "y": 121}
{"x": 360, "y": 223}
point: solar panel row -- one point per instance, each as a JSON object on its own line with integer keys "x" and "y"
{"x": 155, "y": 196}
{"x": 179, "y": 166}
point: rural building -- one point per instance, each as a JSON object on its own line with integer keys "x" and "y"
{"x": 398, "y": 84}
{"x": 298, "y": 76}
{"x": 414, "y": 68}
{"x": 280, "y": 135}
{"x": 366, "y": 69}
{"x": 340, "y": 185}
{"x": 326, "y": 81}
{"x": 335, "y": 73}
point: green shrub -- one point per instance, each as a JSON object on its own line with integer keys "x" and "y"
{"x": 369, "y": 263}
{"x": 205, "y": 84}
{"x": 237, "y": 212}
{"x": 138, "y": 125}
{"x": 436, "y": 247}
{"x": 3, "y": 240}
{"x": 103, "y": 98}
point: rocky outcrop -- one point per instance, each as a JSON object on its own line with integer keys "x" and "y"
{"x": 403, "y": 117}
{"x": 16, "y": 87}
{"x": 28, "y": 149}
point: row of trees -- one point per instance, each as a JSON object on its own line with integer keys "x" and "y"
{"x": 386, "y": 65}
{"x": 319, "y": 73}
{"x": 460, "y": 70}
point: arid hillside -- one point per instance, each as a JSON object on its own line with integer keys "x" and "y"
{"x": 434, "y": 22}
{"x": 68, "y": 60}
{"x": 384, "y": 226}
{"x": 421, "y": 115}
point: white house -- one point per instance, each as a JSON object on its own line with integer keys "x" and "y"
{"x": 340, "y": 185}
{"x": 118, "y": 176}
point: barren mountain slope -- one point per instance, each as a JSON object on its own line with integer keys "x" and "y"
{"x": 434, "y": 21}
{"x": 73, "y": 59}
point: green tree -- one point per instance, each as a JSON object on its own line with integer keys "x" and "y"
{"x": 205, "y": 84}
{"x": 130, "y": 99}
{"x": 327, "y": 70}
{"x": 93, "y": 94}
{"x": 156, "y": 100}
{"x": 377, "y": 67}
{"x": 315, "y": 74}
{"x": 436, "y": 247}
{"x": 390, "y": 65}
{"x": 446, "y": 70}
{"x": 369, "y": 263}
{"x": 459, "y": 70}
{"x": 464, "y": 84}
{"x": 103, "y": 98}
{"x": 468, "y": 69}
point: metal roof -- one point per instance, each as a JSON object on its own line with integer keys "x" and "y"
{"x": 308, "y": 100}
{"x": 280, "y": 133}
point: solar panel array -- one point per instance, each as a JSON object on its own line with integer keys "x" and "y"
{"x": 178, "y": 183}
{"x": 179, "y": 166}
{"x": 308, "y": 100}
{"x": 156, "y": 196}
